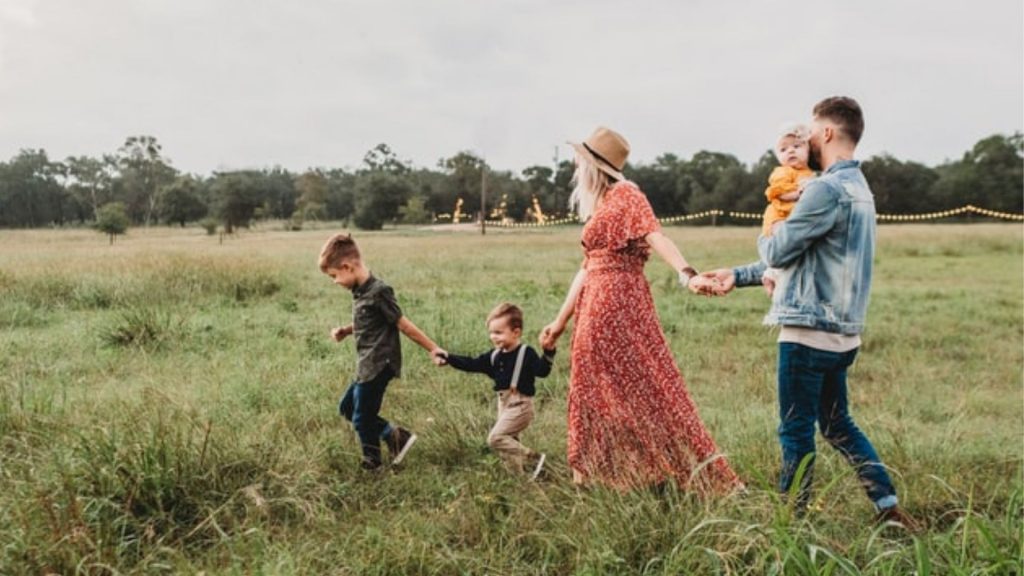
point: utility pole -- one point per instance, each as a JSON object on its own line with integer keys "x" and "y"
{"x": 483, "y": 199}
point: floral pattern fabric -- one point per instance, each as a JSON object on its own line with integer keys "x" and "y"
{"x": 631, "y": 419}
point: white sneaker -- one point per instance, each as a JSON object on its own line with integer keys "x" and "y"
{"x": 540, "y": 466}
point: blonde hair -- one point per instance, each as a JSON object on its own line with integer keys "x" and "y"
{"x": 798, "y": 131}
{"x": 589, "y": 185}
{"x": 338, "y": 249}
{"x": 510, "y": 311}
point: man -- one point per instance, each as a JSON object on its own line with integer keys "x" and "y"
{"x": 826, "y": 246}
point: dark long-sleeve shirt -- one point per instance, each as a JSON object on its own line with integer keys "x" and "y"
{"x": 504, "y": 364}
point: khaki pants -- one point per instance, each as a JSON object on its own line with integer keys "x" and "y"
{"x": 515, "y": 412}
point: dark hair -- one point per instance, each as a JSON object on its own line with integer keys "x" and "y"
{"x": 510, "y": 311}
{"x": 845, "y": 113}
{"x": 338, "y": 249}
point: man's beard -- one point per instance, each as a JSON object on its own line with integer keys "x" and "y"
{"x": 814, "y": 159}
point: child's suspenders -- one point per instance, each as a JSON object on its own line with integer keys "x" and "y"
{"x": 514, "y": 385}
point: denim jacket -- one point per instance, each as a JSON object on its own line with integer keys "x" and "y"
{"x": 826, "y": 248}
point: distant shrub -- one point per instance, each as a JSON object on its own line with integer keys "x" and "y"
{"x": 210, "y": 225}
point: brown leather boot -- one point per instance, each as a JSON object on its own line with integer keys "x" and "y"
{"x": 896, "y": 515}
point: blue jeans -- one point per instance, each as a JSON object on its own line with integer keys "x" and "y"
{"x": 361, "y": 406}
{"x": 812, "y": 388}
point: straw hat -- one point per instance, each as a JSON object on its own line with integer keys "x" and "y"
{"x": 607, "y": 149}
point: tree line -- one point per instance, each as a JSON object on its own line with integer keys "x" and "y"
{"x": 139, "y": 185}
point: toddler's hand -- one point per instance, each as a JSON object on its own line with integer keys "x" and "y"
{"x": 550, "y": 334}
{"x": 769, "y": 284}
{"x": 339, "y": 334}
{"x": 439, "y": 356}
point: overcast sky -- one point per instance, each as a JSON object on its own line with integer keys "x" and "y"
{"x": 229, "y": 84}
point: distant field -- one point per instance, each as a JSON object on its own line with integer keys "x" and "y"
{"x": 168, "y": 405}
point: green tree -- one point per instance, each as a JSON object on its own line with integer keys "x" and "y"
{"x": 463, "y": 180}
{"x": 143, "y": 173}
{"x": 382, "y": 159}
{"x": 900, "y": 187}
{"x": 30, "y": 193}
{"x": 237, "y": 195}
{"x": 341, "y": 195}
{"x": 990, "y": 175}
{"x": 112, "y": 219}
{"x": 311, "y": 188}
{"x": 539, "y": 182}
{"x": 563, "y": 186}
{"x": 415, "y": 211}
{"x": 378, "y": 198}
{"x": 181, "y": 201}
{"x": 660, "y": 182}
{"x": 89, "y": 179}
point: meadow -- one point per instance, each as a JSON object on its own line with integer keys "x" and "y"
{"x": 168, "y": 404}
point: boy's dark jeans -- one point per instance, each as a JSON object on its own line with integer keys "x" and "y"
{"x": 361, "y": 405}
{"x": 812, "y": 388}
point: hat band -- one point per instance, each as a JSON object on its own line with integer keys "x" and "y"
{"x": 599, "y": 157}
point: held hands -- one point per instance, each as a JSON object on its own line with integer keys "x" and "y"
{"x": 705, "y": 285}
{"x": 550, "y": 334}
{"x": 339, "y": 334}
{"x": 714, "y": 283}
{"x": 439, "y": 357}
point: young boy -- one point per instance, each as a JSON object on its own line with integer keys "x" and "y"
{"x": 376, "y": 322}
{"x": 513, "y": 367}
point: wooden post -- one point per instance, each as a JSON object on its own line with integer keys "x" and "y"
{"x": 483, "y": 200}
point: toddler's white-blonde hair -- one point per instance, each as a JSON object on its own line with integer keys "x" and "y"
{"x": 589, "y": 185}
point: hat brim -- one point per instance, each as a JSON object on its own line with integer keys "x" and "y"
{"x": 601, "y": 164}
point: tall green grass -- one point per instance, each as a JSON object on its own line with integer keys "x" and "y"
{"x": 168, "y": 405}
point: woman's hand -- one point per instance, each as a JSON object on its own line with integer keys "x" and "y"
{"x": 550, "y": 334}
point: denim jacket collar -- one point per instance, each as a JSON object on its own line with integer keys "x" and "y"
{"x": 841, "y": 165}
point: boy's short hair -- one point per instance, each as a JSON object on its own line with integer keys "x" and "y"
{"x": 845, "y": 113}
{"x": 338, "y": 249}
{"x": 510, "y": 311}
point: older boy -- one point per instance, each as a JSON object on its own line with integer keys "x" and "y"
{"x": 376, "y": 321}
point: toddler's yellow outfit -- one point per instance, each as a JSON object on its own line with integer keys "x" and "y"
{"x": 783, "y": 180}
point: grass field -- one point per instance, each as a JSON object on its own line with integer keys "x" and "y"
{"x": 168, "y": 405}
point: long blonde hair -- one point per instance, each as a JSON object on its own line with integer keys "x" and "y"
{"x": 589, "y": 186}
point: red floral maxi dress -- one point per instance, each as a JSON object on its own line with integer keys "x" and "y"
{"x": 631, "y": 419}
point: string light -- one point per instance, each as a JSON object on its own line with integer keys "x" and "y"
{"x": 756, "y": 216}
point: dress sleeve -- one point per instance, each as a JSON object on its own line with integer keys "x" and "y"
{"x": 634, "y": 218}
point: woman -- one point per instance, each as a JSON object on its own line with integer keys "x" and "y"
{"x": 631, "y": 420}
